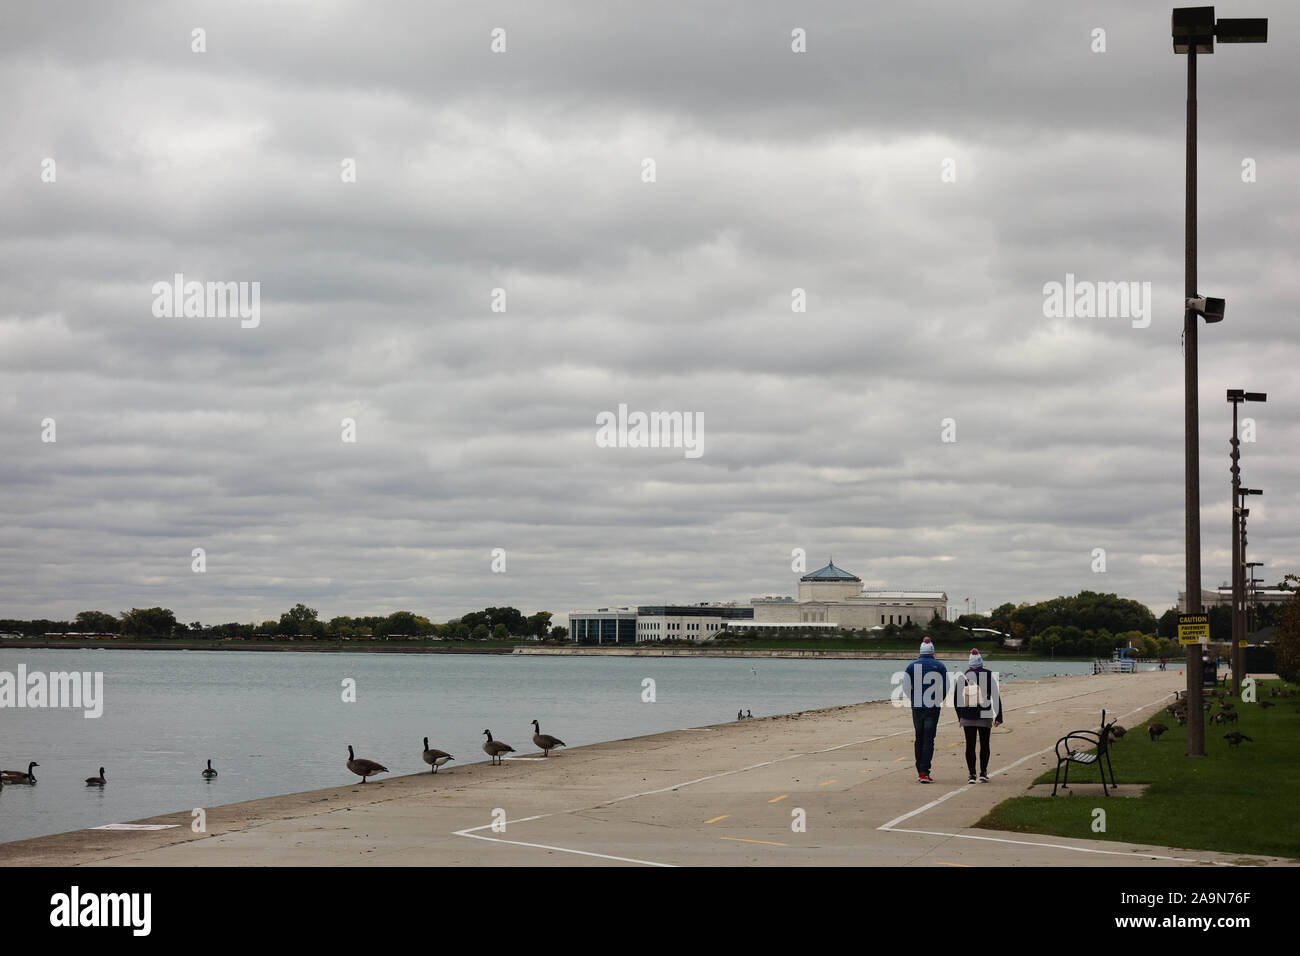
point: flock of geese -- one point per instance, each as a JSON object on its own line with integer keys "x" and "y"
{"x": 28, "y": 777}
{"x": 496, "y": 749}
{"x": 363, "y": 768}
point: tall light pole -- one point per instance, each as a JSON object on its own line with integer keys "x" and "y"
{"x": 1236, "y": 653}
{"x": 1194, "y": 30}
{"x": 1250, "y": 567}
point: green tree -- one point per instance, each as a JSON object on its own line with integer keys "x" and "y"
{"x": 399, "y": 622}
{"x": 148, "y": 623}
{"x": 539, "y": 624}
{"x": 1168, "y": 626}
{"x": 96, "y": 622}
{"x": 1286, "y": 643}
{"x": 300, "y": 621}
{"x": 500, "y": 631}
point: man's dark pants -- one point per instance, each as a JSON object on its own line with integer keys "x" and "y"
{"x": 925, "y": 721}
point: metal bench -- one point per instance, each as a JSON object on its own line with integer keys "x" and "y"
{"x": 1088, "y": 747}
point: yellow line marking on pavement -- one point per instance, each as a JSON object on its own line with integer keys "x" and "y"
{"x": 967, "y": 865}
{"x": 900, "y": 758}
{"x": 778, "y": 799}
{"x": 868, "y": 770}
{"x": 716, "y": 819}
{"x": 742, "y": 840}
{"x": 826, "y": 783}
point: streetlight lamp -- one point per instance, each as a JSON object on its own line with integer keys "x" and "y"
{"x": 1237, "y": 654}
{"x": 1194, "y": 30}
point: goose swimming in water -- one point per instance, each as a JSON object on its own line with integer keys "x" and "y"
{"x": 18, "y": 776}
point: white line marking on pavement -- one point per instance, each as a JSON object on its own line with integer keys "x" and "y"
{"x": 470, "y": 832}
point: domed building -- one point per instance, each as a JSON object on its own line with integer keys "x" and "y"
{"x": 832, "y": 596}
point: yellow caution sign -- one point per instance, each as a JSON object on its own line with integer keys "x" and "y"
{"x": 1193, "y": 628}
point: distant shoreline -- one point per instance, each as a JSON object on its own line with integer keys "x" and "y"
{"x": 369, "y": 647}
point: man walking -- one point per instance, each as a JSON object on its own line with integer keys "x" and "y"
{"x": 925, "y": 682}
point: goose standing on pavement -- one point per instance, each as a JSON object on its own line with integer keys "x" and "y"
{"x": 97, "y": 781}
{"x": 18, "y": 776}
{"x": 209, "y": 773}
{"x": 495, "y": 748}
{"x": 435, "y": 758}
{"x": 364, "y": 768}
{"x": 545, "y": 742}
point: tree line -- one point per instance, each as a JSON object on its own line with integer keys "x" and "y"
{"x": 300, "y": 622}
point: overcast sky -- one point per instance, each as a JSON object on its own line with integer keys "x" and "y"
{"x": 524, "y": 170}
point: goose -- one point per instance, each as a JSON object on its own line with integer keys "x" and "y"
{"x": 18, "y": 776}
{"x": 97, "y": 781}
{"x": 495, "y": 748}
{"x": 749, "y": 715}
{"x": 435, "y": 758}
{"x": 364, "y": 768}
{"x": 1234, "y": 739}
{"x": 209, "y": 773}
{"x": 545, "y": 741}
{"x": 1155, "y": 730}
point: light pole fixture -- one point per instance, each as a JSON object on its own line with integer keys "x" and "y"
{"x": 1194, "y": 30}
{"x": 1211, "y": 310}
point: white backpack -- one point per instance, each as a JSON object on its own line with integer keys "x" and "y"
{"x": 971, "y": 694}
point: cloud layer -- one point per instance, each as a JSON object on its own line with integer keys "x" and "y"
{"x": 523, "y": 171}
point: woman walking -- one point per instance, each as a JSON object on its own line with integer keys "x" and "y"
{"x": 979, "y": 709}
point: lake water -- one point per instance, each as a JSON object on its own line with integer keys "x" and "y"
{"x": 276, "y": 723}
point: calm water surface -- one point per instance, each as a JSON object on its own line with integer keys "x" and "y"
{"x": 276, "y": 723}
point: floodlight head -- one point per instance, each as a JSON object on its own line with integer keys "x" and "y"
{"x": 1193, "y": 28}
{"x": 1257, "y": 396}
{"x": 1237, "y": 30}
{"x": 1210, "y": 309}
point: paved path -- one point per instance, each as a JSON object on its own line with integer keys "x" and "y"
{"x": 722, "y": 795}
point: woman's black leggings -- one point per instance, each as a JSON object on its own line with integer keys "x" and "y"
{"x": 970, "y": 748}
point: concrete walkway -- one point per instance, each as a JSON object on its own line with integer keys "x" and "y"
{"x": 724, "y": 795}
